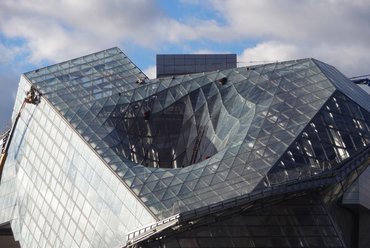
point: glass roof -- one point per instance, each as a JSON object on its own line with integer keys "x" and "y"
{"x": 185, "y": 142}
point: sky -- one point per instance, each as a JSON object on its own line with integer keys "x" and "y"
{"x": 37, "y": 33}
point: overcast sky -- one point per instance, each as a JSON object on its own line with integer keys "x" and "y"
{"x": 36, "y": 33}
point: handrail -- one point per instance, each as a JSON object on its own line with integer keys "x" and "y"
{"x": 334, "y": 176}
{"x": 321, "y": 180}
{"x": 143, "y": 232}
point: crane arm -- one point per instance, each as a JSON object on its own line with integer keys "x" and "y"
{"x": 32, "y": 97}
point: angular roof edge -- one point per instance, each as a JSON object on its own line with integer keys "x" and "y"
{"x": 69, "y": 60}
{"x": 344, "y": 85}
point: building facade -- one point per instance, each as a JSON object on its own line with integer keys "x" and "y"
{"x": 272, "y": 155}
{"x": 179, "y": 64}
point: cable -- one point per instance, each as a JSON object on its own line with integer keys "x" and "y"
{"x": 367, "y": 75}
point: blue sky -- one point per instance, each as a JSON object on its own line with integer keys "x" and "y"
{"x": 36, "y": 33}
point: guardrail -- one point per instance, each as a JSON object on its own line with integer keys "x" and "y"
{"x": 336, "y": 175}
{"x": 143, "y": 232}
{"x": 325, "y": 179}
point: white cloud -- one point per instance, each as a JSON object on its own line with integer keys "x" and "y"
{"x": 345, "y": 57}
{"x": 314, "y": 21}
{"x": 334, "y": 31}
{"x": 151, "y": 72}
{"x": 351, "y": 59}
{"x": 60, "y": 29}
{"x": 8, "y": 53}
{"x": 268, "y": 52}
{"x": 208, "y": 51}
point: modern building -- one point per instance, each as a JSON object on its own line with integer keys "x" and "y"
{"x": 179, "y": 64}
{"x": 272, "y": 155}
{"x": 363, "y": 82}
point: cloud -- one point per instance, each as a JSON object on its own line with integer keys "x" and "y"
{"x": 333, "y": 31}
{"x": 314, "y": 21}
{"x": 268, "y": 52}
{"x": 57, "y": 30}
{"x": 151, "y": 72}
{"x": 7, "y": 53}
{"x": 345, "y": 57}
{"x": 61, "y": 29}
